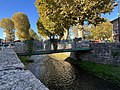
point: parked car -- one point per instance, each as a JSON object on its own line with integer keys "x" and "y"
{"x": 95, "y": 41}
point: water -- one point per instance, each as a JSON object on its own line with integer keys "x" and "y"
{"x": 61, "y": 75}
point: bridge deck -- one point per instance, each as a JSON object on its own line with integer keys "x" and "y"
{"x": 83, "y": 49}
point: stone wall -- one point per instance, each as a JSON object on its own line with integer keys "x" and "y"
{"x": 13, "y": 76}
{"x": 107, "y": 53}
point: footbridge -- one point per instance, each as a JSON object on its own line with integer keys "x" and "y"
{"x": 85, "y": 49}
{"x": 38, "y": 49}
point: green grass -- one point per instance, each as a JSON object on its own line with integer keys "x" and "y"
{"x": 105, "y": 71}
{"x": 59, "y": 56}
{"x": 25, "y": 59}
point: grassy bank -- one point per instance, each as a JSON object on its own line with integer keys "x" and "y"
{"x": 59, "y": 56}
{"x": 25, "y": 59}
{"x": 105, "y": 71}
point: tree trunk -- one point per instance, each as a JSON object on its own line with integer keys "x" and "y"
{"x": 66, "y": 34}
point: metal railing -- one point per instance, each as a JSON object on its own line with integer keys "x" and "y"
{"x": 47, "y": 46}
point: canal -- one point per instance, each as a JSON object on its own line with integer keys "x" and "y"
{"x": 61, "y": 75}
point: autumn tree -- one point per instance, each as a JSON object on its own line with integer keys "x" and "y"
{"x": 67, "y": 13}
{"x": 46, "y": 26}
{"x": 8, "y": 27}
{"x": 34, "y": 35}
{"x": 102, "y": 31}
{"x": 22, "y": 25}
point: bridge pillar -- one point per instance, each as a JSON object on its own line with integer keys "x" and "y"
{"x": 74, "y": 55}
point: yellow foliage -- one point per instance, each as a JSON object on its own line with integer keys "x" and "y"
{"x": 22, "y": 25}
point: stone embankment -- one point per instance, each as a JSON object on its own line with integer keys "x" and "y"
{"x": 106, "y": 53}
{"x": 13, "y": 75}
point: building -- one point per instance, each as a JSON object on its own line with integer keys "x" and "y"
{"x": 79, "y": 32}
{"x": 115, "y": 32}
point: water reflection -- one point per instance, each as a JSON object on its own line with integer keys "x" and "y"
{"x": 61, "y": 75}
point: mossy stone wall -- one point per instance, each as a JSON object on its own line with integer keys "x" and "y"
{"x": 107, "y": 53}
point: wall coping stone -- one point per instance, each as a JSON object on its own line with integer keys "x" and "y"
{"x": 13, "y": 76}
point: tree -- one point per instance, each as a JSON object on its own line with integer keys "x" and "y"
{"x": 67, "y": 13}
{"x": 34, "y": 35}
{"x": 42, "y": 31}
{"x": 22, "y": 25}
{"x": 46, "y": 26}
{"x": 8, "y": 27}
{"x": 102, "y": 31}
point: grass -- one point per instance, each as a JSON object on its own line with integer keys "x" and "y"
{"x": 59, "y": 56}
{"x": 25, "y": 59}
{"x": 105, "y": 71}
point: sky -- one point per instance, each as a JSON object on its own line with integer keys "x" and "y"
{"x": 9, "y": 7}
